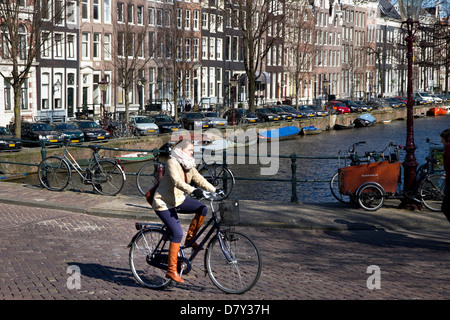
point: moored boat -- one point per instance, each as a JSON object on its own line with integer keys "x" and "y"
{"x": 338, "y": 126}
{"x": 134, "y": 157}
{"x": 280, "y": 133}
{"x": 437, "y": 111}
{"x": 310, "y": 130}
{"x": 365, "y": 120}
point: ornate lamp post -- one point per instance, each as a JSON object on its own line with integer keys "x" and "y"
{"x": 103, "y": 85}
{"x": 233, "y": 82}
{"x": 409, "y": 10}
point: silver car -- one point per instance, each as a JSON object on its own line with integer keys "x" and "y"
{"x": 215, "y": 120}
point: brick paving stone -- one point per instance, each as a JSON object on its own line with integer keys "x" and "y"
{"x": 39, "y": 244}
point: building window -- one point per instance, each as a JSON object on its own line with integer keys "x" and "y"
{"x": 7, "y": 94}
{"x": 96, "y": 47}
{"x": 85, "y": 45}
{"x": 106, "y": 11}
{"x": 84, "y": 9}
{"x": 120, "y": 12}
{"x": 96, "y": 13}
{"x": 107, "y": 46}
{"x": 45, "y": 90}
{"x": 46, "y": 44}
{"x": 58, "y": 46}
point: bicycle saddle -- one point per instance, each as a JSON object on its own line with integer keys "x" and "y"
{"x": 95, "y": 147}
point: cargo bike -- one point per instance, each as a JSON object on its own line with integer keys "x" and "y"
{"x": 369, "y": 180}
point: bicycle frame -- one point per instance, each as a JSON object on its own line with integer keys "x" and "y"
{"x": 70, "y": 160}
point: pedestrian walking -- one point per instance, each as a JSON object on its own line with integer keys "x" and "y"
{"x": 445, "y": 139}
{"x": 170, "y": 199}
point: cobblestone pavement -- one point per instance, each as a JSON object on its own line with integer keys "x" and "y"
{"x": 41, "y": 247}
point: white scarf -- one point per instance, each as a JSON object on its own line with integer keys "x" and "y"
{"x": 183, "y": 158}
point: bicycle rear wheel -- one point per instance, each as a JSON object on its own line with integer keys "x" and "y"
{"x": 220, "y": 177}
{"x": 147, "y": 176}
{"x": 148, "y": 265}
{"x": 54, "y": 173}
{"x": 432, "y": 191}
{"x": 233, "y": 262}
{"x": 107, "y": 177}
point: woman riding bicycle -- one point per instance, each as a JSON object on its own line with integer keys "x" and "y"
{"x": 170, "y": 199}
{"x": 445, "y": 139}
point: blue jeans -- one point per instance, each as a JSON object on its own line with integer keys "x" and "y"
{"x": 170, "y": 217}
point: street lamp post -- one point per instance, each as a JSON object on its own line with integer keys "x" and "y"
{"x": 325, "y": 89}
{"x": 233, "y": 82}
{"x": 409, "y": 10}
{"x": 103, "y": 85}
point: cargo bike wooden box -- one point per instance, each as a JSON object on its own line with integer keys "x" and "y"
{"x": 369, "y": 184}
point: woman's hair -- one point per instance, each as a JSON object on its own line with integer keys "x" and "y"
{"x": 183, "y": 144}
{"x": 446, "y": 134}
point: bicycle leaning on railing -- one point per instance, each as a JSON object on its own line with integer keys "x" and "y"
{"x": 218, "y": 174}
{"x": 232, "y": 261}
{"x": 105, "y": 175}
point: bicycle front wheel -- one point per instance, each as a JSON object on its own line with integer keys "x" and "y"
{"x": 107, "y": 177}
{"x": 432, "y": 191}
{"x": 147, "y": 176}
{"x": 233, "y": 262}
{"x": 54, "y": 173}
{"x": 148, "y": 265}
{"x": 371, "y": 197}
{"x": 220, "y": 177}
{"x": 334, "y": 187}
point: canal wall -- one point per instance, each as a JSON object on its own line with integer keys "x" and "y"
{"x": 32, "y": 156}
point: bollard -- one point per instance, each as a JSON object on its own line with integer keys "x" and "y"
{"x": 43, "y": 149}
{"x": 294, "y": 197}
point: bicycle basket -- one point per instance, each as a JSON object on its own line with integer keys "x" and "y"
{"x": 229, "y": 212}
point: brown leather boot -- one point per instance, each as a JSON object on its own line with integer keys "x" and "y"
{"x": 172, "y": 272}
{"x": 196, "y": 223}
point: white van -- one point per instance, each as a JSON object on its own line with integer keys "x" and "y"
{"x": 427, "y": 97}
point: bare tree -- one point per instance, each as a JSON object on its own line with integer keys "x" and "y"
{"x": 253, "y": 18}
{"x": 22, "y": 24}
{"x": 130, "y": 55}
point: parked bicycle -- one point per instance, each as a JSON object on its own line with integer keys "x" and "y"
{"x": 218, "y": 174}
{"x": 232, "y": 261}
{"x": 105, "y": 175}
{"x": 369, "y": 185}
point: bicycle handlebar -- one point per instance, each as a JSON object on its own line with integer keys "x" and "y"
{"x": 212, "y": 195}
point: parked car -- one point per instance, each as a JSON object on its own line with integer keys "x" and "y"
{"x": 37, "y": 131}
{"x": 420, "y": 101}
{"x": 436, "y": 98}
{"x": 69, "y": 131}
{"x": 424, "y": 95}
{"x": 144, "y": 125}
{"x": 319, "y": 111}
{"x": 354, "y": 107}
{"x": 92, "y": 131}
{"x": 8, "y": 145}
{"x": 394, "y": 102}
{"x": 241, "y": 116}
{"x": 194, "y": 120}
{"x": 365, "y": 107}
{"x": 295, "y": 113}
{"x": 306, "y": 111}
{"x": 166, "y": 123}
{"x": 337, "y": 107}
{"x": 215, "y": 120}
{"x": 378, "y": 103}
{"x": 265, "y": 115}
{"x": 284, "y": 115}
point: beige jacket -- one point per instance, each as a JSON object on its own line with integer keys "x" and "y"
{"x": 172, "y": 189}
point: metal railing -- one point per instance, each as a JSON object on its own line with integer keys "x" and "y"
{"x": 293, "y": 180}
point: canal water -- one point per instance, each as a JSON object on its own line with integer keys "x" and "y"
{"x": 326, "y": 144}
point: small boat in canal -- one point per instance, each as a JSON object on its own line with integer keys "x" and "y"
{"x": 364, "y": 120}
{"x": 437, "y": 111}
{"x": 338, "y": 126}
{"x": 310, "y": 130}
{"x": 280, "y": 133}
{"x": 134, "y": 157}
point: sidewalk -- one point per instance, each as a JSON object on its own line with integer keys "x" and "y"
{"x": 311, "y": 216}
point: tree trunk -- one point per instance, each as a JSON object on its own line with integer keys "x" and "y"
{"x": 17, "y": 111}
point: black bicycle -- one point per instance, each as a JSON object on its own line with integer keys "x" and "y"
{"x": 232, "y": 261}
